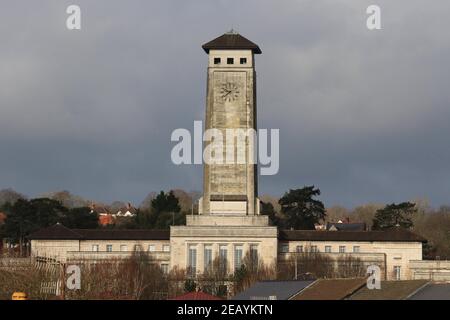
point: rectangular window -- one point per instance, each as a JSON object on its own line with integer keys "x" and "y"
{"x": 341, "y": 249}
{"x": 165, "y": 268}
{"x": 299, "y": 249}
{"x": 356, "y": 249}
{"x": 95, "y": 247}
{"x": 243, "y": 60}
{"x": 314, "y": 249}
{"x": 216, "y": 60}
{"x": 230, "y": 60}
{"x": 109, "y": 247}
{"x": 123, "y": 247}
{"x": 238, "y": 254}
{"x": 223, "y": 257}
{"x": 166, "y": 248}
{"x": 137, "y": 247}
{"x": 207, "y": 256}
{"x": 151, "y": 248}
{"x": 397, "y": 272}
{"x": 254, "y": 253}
{"x": 192, "y": 260}
{"x": 284, "y": 248}
{"x": 328, "y": 249}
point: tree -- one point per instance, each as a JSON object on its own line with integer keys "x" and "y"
{"x": 80, "y": 218}
{"x": 165, "y": 202}
{"x": 302, "y": 211}
{"x": 394, "y": 215}
{"x": 9, "y": 196}
{"x": 166, "y": 211}
{"x": 268, "y": 209}
{"x": 25, "y": 217}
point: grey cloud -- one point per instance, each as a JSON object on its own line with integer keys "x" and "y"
{"x": 362, "y": 115}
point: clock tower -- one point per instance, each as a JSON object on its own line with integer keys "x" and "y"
{"x": 230, "y": 188}
{"x": 228, "y": 225}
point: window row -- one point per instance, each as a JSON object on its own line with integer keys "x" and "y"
{"x": 136, "y": 247}
{"x": 314, "y": 248}
{"x": 218, "y": 60}
{"x": 223, "y": 257}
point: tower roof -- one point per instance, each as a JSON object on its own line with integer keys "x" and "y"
{"x": 231, "y": 41}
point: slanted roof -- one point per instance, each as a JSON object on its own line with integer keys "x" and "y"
{"x": 354, "y": 226}
{"x": 390, "y": 290}
{"x": 231, "y": 41}
{"x": 273, "y": 290}
{"x": 432, "y": 291}
{"x": 60, "y": 232}
{"x": 331, "y": 289}
{"x": 197, "y": 295}
{"x": 391, "y": 235}
{"x": 56, "y": 231}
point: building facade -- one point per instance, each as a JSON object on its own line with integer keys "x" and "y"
{"x": 229, "y": 225}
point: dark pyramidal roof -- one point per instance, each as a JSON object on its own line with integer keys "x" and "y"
{"x": 231, "y": 41}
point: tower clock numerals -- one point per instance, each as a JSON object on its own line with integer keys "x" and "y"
{"x": 229, "y": 91}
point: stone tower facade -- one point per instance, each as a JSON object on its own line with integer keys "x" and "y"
{"x": 231, "y": 187}
{"x": 228, "y": 225}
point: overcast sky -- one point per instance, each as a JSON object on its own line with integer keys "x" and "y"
{"x": 363, "y": 115}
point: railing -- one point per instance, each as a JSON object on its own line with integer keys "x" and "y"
{"x": 110, "y": 255}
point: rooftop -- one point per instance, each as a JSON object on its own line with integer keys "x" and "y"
{"x": 391, "y": 235}
{"x": 60, "y": 232}
{"x": 435, "y": 291}
{"x": 390, "y": 290}
{"x": 331, "y": 289}
{"x": 273, "y": 290}
{"x": 231, "y": 41}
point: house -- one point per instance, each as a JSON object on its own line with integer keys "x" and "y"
{"x": 432, "y": 291}
{"x": 347, "y": 226}
{"x": 62, "y": 244}
{"x": 105, "y": 218}
{"x": 331, "y": 289}
{"x": 128, "y": 211}
{"x": 273, "y": 290}
{"x": 390, "y": 290}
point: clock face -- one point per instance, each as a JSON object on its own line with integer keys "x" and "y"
{"x": 229, "y": 91}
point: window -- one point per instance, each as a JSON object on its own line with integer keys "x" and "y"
{"x": 137, "y": 247}
{"x": 238, "y": 252}
{"x": 397, "y": 272}
{"x": 123, "y": 247}
{"x": 151, "y": 248}
{"x": 284, "y": 248}
{"x": 254, "y": 254}
{"x": 243, "y": 60}
{"x": 223, "y": 257}
{"x": 314, "y": 249}
{"x": 166, "y": 248}
{"x": 165, "y": 268}
{"x": 207, "y": 256}
{"x": 341, "y": 249}
{"x": 216, "y": 60}
{"x": 230, "y": 60}
{"x": 109, "y": 247}
{"x": 299, "y": 249}
{"x": 355, "y": 249}
{"x": 95, "y": 247}
{"x": 192, "y": 260}
{"x": 328, "y": 249}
